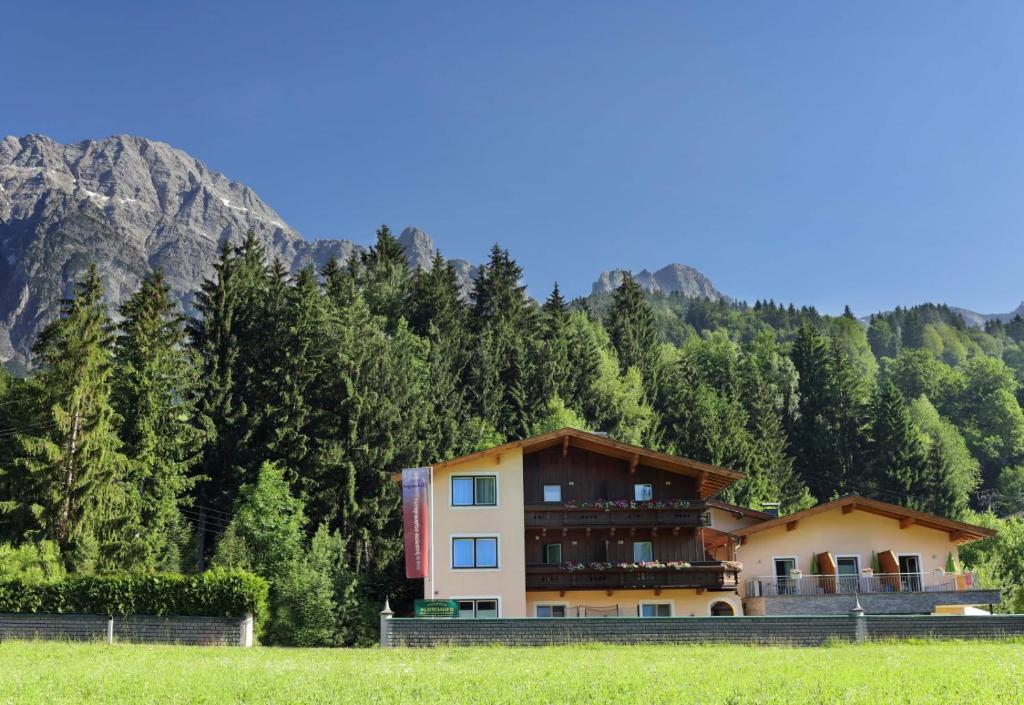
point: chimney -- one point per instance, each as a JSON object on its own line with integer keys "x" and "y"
{"x": 770, "y": 508}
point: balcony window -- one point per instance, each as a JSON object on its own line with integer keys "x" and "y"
{"x": 643, "y": 552}
{"x": 643, "y": 492}
{"x": 655, "y": 609}
{"x": 474, "y": 491}
{"x": 475, "y": 552}
{"x": 553, "y": 553}
{"x": 551, "y": 611}
{"x": 552, "y": 493}
{"x": 478, "y": 609}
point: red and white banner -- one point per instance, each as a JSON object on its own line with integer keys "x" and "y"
{"x": 415, "y": 521}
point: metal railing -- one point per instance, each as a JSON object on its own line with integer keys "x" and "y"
{"x": 767, "y": 586}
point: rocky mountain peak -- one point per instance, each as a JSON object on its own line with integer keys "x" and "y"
{"x": 131, "y": 205}
{"x": 673, "y": 278}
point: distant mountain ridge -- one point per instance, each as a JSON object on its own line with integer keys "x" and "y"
{"x": 978, "y": 320}
{"x": 133, "y": 205}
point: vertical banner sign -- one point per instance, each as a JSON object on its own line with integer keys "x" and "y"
{"x": 415, "y": 485}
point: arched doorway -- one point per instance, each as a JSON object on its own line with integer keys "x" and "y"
{"x": 722, "y": 609}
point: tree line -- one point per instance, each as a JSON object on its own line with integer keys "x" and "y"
{"x": 261, "y": 432}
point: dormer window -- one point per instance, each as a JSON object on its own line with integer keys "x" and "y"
{"x": 643, "y": 492}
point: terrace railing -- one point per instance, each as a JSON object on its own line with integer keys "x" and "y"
{"x": 767, "y": 586}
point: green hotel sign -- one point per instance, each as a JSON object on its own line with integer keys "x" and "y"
{"x": 437, "y": 608}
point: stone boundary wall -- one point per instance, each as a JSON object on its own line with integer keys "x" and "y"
{"x": 901, "y": 603}
{"x": 142, "y": 629}
{"x": 789, "y": 630}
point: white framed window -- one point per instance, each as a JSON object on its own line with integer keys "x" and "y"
{"x": 654, "y": 609}
{"x": 478, "y": 608}
{"x": 474, "y": 490}
{"x": 643, "y": 551}
{"x": 551, "y": 611}
{"x": 469, "y": 552}
{"x": 552, "y": 493}
{"x": 553, "y": 553}
{"x": 643, "y": 492}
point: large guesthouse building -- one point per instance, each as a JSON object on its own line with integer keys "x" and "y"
{"x": 575, "y": 524}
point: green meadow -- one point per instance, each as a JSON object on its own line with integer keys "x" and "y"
{"x": 972, "y": 673}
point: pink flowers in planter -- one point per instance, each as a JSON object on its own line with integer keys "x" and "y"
{"x": 610, "y": 504}
{"x": 642, "y": 565}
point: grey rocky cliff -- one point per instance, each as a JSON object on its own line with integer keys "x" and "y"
{"x": 131, "y": 205}
{"x": 675, "y": 278}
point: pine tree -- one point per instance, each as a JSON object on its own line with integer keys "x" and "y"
{"x": 153, "y": 395}
{"x": 78, "y": 473}
{"x": 503, "y": 373}
{"x": 229, "y": 337}
{"x": 632, "y": 331}
{"x": 384, "y": 277}
{"x": 435, "y": 300}
{"x": 898, "y": 465}
{"x": 827, "y": 432}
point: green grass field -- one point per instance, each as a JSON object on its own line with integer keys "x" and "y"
{"x": 968, "y": 673}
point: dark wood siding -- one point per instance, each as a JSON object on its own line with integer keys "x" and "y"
{"x": 577, "y": 547}
{"x": 586, "y": 476}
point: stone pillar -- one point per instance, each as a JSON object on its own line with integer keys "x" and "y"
{"x": 248, "y": 624}
{"x": 860, "y": 624}
{"x": 385, "y": 625}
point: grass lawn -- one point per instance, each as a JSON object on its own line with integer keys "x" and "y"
{"x": 967, "y": 673}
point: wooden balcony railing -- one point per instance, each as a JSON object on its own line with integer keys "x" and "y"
{"x": 710, "y": 575}
{"x": 544, "y": 515}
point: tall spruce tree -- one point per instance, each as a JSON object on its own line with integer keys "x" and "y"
{"x": 827, "y": 432}
{"x": 898, "y": 465}
{"x": 502, "y": 373}
{"x": 78, "y": 489}
{"x": 153, "y": 394}
{"x": 632, "y": 330}
{"x": 384, "y": 277}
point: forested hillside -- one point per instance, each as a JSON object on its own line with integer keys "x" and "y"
{"x": 262, "y": 433}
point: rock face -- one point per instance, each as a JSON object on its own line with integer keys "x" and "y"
{"x": 131, "y": 205}
{"x": 667, "y": 280}
{"x": 978, "y": 320}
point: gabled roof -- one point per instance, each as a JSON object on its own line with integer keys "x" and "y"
{"x": 958, "y": 530}
{"x": 741, "y": 511}
{"x": 711, "y": 477}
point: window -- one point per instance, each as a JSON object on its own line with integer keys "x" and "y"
{"x": 553, "y": 553}
{"x": 550, "y": 610}
{"x": 659, "y": 609}
{"x": 474, "y": 491}
{"x": 552, "y": 493}
{"x": 475, "y": 552}
{"x": 643, "y": 492}
{"x": 478, "y": 609}
{"x": 643, "y": 552}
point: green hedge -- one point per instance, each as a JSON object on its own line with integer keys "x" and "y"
{"x": 216, "y": 593}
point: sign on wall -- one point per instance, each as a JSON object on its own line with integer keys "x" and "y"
{"x": 437, "y": 608}
{"x": 415, "y": 521}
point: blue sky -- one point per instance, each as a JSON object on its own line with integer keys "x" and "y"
{"x": 822, "y": 153}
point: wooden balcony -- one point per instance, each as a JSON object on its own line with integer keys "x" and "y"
{"x": 707, "y": 575}
{"x": 560, "y": 516}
